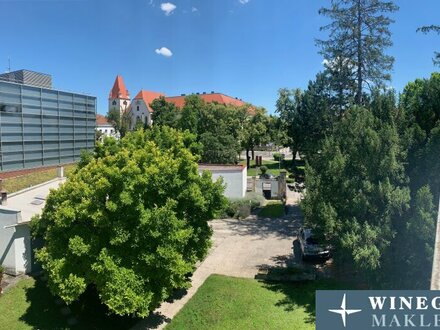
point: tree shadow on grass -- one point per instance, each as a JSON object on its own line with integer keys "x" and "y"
{"x": 301, "y": 294}
{"x": 45, "y": 313}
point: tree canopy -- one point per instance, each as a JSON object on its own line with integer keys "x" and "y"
{"x": 131, "y": 222}
{"x": 358, "y": 35}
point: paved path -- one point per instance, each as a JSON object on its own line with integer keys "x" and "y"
{"x": 240, "y": 248}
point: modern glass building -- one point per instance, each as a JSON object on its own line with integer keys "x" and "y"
{"x": 43, "y": 127}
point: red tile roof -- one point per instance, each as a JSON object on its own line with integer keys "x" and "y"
{"x": 101, "y": 120}
{"x": 179, "y": 101}
{"x": 148, "y": 97}
{"x": 119, "y": 91}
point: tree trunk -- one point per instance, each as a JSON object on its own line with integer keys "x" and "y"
{"x": 248, "y": 159}
{"x": 359, "y": 53}
{"x": 253, "y": 154}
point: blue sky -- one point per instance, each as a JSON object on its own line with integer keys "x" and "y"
{"x": 247, "y": 49}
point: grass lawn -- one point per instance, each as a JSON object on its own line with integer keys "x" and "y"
{"x": 273, "y": 209}
{"x": 236, "y": 303}
{"x": 24, "y": 181}
{"x": 29, "y": 305}
{"x": 273, "y": 167}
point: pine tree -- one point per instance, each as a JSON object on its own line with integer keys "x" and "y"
{"x": 358, "y": 35}
{"x": 436, "y": 29}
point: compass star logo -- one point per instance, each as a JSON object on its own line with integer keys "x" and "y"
{"x": 344, "y": 311}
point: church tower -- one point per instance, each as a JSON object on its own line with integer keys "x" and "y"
{"x": 119, "y": 97}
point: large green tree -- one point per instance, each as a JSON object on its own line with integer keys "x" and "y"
{"x": 356, "y": 191}
{"x": 164, "y": 113}
{"x": 131, "y": 222}
{"x": 358, "y": 36}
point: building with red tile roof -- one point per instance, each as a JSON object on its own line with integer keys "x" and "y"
{"x": 119, "y": 91}
{"x": 139, "y": 110}
{"x": 148, "y": 97}
{"x": 101, "y": 120}
{"x": 103, "y": 126}
{"x": 179, "y": 101}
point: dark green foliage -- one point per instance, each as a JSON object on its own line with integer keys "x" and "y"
{"x": 263, "y": 169}
{"x": 164, "y": 113}
{"x": 121, "y": 123}
{"x": 356, "y": 190}
{"x": 419, "y": 243}
{"x": 420, "y": 103}
{"x": 278, "y": 157}
{"x": 132, "y": 223}
{"x": 309, "y": 116}
{"x": 358, "y": 35}
{"x": 218, "y": 149}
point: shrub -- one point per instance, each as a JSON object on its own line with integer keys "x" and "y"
{"x": 278, "y": 156}
{"x": 263, "y": 169}
{"x": 241, "y": 208}
{"x": 290, "y": 180}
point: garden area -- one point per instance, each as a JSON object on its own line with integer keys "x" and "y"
{"x": 224, "y": 302}
{"x": 30, "y": 305}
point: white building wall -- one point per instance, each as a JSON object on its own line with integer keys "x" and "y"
{"x": 107, "y": 130}
{"x": 23, "y": 249}
{"x": 139, "y": 110}
{"x": 13, "y": 242}
{"x": 235, "y": 181}
{"x": 120, "y": 104}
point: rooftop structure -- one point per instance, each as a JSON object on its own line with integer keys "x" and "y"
{"x": 27, "y": 77}
{"x": 119, "y": 91}
{"x": 179, "y": 101}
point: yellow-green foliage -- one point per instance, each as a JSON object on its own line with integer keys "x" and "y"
{"x": 132, "y": 221}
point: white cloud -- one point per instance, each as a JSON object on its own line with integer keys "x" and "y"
{"x": 168, "y": 7}
{"x": 164, "y": 52}
{"x": 243, "y": 2}
{"x": 194, "y": 9}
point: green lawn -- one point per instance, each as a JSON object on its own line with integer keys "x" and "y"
{"x": 234, "y": 303}
{"x": 273, "y": 209}
{"x": 28, "y": 180}
{"x": 29, "y": 305}
{"x": 273, "y": 167}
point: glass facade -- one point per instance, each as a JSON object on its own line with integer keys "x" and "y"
{"x": 43, "y": 127}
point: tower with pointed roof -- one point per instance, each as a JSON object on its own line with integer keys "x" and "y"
{"x": 119, "y": 97}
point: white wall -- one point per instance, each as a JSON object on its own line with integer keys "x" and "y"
{"x": 107, "y": 130}
{"x": 142, "y": 113}
{"x": 15, "y": 251}
{"x": 235, "y": 181}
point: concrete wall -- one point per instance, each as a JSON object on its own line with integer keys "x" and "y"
{"x": 15, "y": 250}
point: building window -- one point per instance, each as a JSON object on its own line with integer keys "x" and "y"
{"x": 137, "y": 108}
{"x": 125, "y": 102}
{"x": 114, "y": 103}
